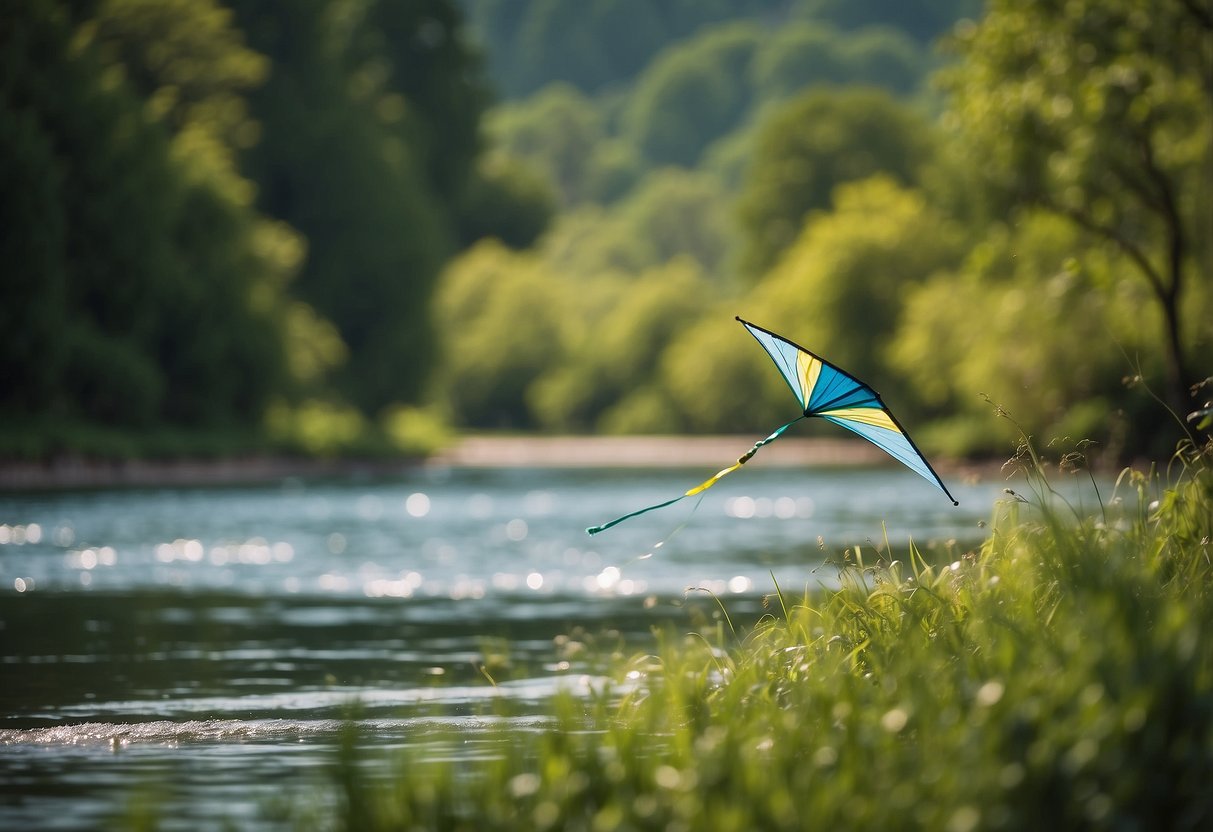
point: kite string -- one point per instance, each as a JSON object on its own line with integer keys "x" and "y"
{"x": 703, "y": 486}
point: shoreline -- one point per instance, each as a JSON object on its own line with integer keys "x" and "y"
{"x": 73, "y": 472}
{"x": 648, "y": 452}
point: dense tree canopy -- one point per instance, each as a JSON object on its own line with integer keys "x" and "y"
{"x": 1088, "y": 319}
{"x": 923, "y": 19}
{"x": 693, "y": 94}
{"x": 142, "y": 291}
{"x": 369, "y": 127}
{"x": 597, "y": 44}
{"x": 170, "y": 166}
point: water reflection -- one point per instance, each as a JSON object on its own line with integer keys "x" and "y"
{"x": 463, "y": 534}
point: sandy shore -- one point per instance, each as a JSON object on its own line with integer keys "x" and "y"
{"x": 470, "y": 452}
{"x": 648, "y": 451}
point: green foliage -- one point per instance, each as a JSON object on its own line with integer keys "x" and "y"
{"x": 1076, "y": 324}
{"x": 922, "y": 19}
{"x": 591, "y": 45}
{"x": 560, "y": 132}
{"x": 606, "y": 381}
{"x": 1056, "y": 674}
{"x": 809, "y": 146}
{"x": 505, "y": 199}
{"x": 804, "y": 54}
{"x": 33, "y": 293}
{"x": 693, "y": 93}
{"x": 839, "y": 290}
{"x": 718, "y": 385}
{"x": 1102, "y": 113}
{"x": 673, "y": 213}
{"x": 186, "y": 59}
{"x": 799, "y": 55}
{"x": 149, "y": 291}
{"x": 150, "y": 299}
{"x": 504, "y": 323}
{"x": 369, "y": 126}
{"x": 602, "y": 43}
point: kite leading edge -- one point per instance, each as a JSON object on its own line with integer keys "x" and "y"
{"x": 831, "y": 393}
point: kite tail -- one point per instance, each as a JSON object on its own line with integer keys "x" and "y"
{"x": 703, "y": 486}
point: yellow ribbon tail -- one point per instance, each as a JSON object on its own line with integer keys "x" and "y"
{"x": 710, "y": 481}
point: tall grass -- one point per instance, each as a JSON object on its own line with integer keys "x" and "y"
{"x": 1059, "y": 676}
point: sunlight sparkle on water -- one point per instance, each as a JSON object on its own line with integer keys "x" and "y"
{"x": 92, "y": 558}
{"x": 783, "y": 508}
{"x": 20, "y": 535}
{"x": 739, "y": 584}
{"x": 417, "y": 504}
{"x": 516, "y": 530}
{"x": 608, "y": 577}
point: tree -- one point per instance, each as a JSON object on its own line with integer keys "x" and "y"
{"x": 799, "y": 55}
{"x": 883, "y": 57}
{"x": 594, "y": 44}
{"x": 557, "y": 130}
{"x": 507, "y": 200}
{"x": 1101, "y": 111}
{"x": 923, "y": 19}
{"x": 150, "y": 292}
{"x": 672, "y": 213}
{"x": 1038, "y": 317}
{"x": 33, "y": 312}
{"x": 369, "y": 129}
{"x": 608, "y": 379}
{"x": 814, "y": 143}
{"x": 805, "y": 53}
{"x": 189, "y": 63}
{"x": 693, "y": 93}
{"x": 504, "y": 322}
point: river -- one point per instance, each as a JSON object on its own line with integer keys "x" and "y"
{"x": 195, "y": 652}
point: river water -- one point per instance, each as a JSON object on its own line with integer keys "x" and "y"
{"x": 195, "y": 653}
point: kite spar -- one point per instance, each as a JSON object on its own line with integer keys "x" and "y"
{"x": 824, "y": 391}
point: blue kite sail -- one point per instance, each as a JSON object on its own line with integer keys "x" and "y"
{"x": 830, "y": 393}
{"x": 834, "y": 394}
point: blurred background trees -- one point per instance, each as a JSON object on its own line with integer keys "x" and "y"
{"x": 1102, "y": 113}
{"x": 140, "y": 288}
{"x": 266, "y": 217}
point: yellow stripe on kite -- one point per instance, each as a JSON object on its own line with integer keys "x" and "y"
{"x": 866, "y": 415}
{"x": 808, "y": 368}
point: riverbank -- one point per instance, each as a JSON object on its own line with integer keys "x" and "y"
{"x": 647, "y": 452}
{"x": 470, "y": 452}
{"x": 72, "y": 472}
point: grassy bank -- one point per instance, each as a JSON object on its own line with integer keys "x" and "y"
{"x": 1059, "y": 676}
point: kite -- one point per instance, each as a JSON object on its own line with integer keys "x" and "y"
{"x": 828, "y": 392}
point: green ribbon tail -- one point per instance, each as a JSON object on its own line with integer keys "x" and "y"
{"x": 629, "y": 516}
